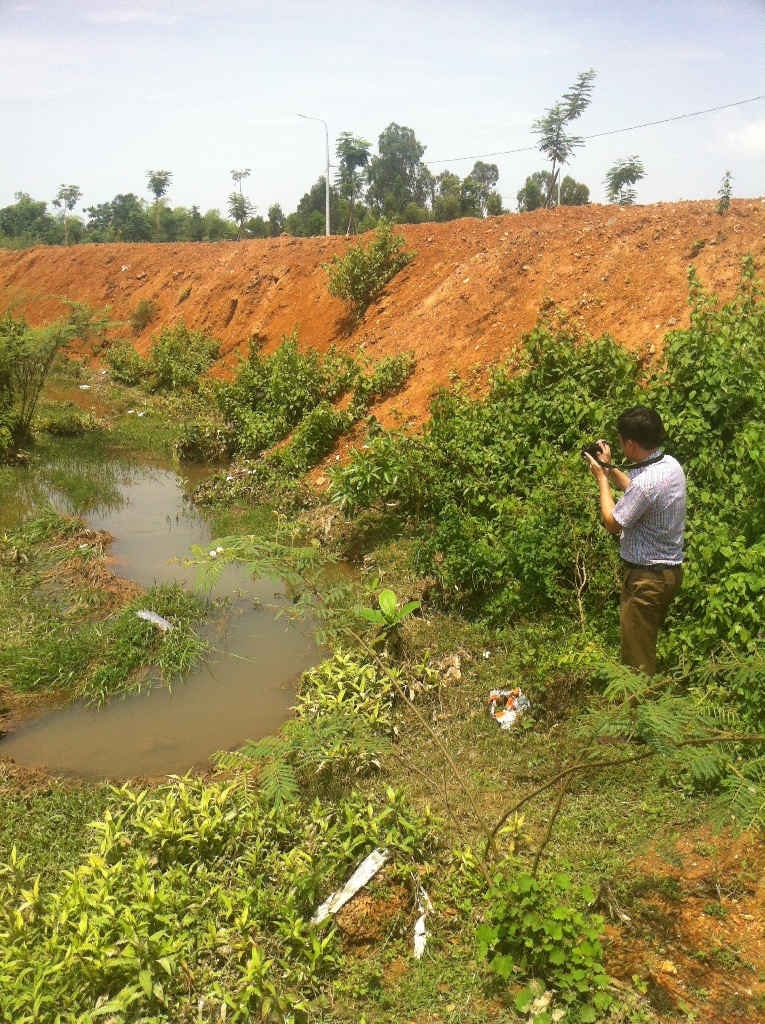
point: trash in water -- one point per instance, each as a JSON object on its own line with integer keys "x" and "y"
{"x": 506, "y": 706}
{"x": 366, "y": 870}
{"x": 155, "y": 619}
{"x": 425, "y": 907}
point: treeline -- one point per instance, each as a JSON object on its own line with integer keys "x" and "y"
{"x": 393, "y": 184}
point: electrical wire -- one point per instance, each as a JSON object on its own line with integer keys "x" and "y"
{"x": 600, "y": 135}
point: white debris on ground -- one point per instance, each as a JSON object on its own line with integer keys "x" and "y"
{"x": 506, "y": 706}
{"x": 363, "y": 873}
{"x": 155, "y": 619}
{"x": 425, "y": 907}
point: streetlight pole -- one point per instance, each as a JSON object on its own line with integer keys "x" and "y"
{"x": 308, "y": 117}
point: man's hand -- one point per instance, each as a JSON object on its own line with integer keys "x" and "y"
{"x": 595, "y": 467}
{"x": 605, "y": 450}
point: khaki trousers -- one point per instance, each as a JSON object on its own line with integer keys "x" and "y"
{"x": 646, "y": 596}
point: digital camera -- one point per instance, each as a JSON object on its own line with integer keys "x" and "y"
{"x": 595, "y": 450}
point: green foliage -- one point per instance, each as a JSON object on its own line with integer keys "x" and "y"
{"x": 195, "y": 894}
{"x": 179, "y": 356}
{"x": 537, "y": 192}
{"x": 206, "y": 439}
{"x": 539, "y": 930}
{"x": 476, "y": 479}
{"x": 476, "y": 485}
{"x": 125, "y": 364}
{"x": 725, "y": 193}
{"x": 388, "y": 377}
{"x": 26, "y": 357}
{"x": 711, "y": 393}
{"x": 343, "y": 718}
{"x": 359, "y": 277}
{"x": 144, "y": 313}
{"x": 554, "y": 141}
{"x": 621, "y": 177}
{"x": 65, "y": 419}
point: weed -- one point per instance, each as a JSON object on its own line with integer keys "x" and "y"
{"x": 145, "y": 312}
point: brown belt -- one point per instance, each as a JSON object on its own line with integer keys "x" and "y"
{"x": 656, "y": 567}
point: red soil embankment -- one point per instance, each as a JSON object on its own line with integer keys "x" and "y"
{"x": 474, "y": 288}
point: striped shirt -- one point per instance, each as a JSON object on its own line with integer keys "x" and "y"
{"x": 651, "y": 514}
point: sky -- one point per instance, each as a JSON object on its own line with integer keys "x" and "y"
{"x": 98, "y": 92}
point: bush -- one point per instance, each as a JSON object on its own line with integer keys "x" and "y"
{"x": 359, "y": 277}
{"x": 144, "y": 313}
{"x": 126, "y": 366}
{"x": 539, "y": 931}
{"x": 179, "y": 356}
{"x": 66, "y": 420}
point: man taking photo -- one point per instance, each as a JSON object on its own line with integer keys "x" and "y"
{"x": 649, "y": 519}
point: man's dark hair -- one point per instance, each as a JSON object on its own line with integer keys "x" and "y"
{"x": 641, "y": 425}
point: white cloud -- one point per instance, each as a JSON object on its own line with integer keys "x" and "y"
{"x": 128, "y": 14}
{"x": 750, "y": 139}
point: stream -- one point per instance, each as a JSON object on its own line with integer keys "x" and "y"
{"x": 242, "y": 690}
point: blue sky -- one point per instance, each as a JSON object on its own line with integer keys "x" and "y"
{"x": 96, "y": 93}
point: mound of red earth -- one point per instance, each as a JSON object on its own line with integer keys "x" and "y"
{"x": 462, "y": 305}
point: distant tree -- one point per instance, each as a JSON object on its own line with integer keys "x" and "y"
{"x": 66, "y": 198}
{"x": 239, "y": 208}
{"x": 196, "y": 225}
{"x": 239, "y": 176}
{"x": 447, "y": 200}
{"x": 158, "y": 182}
{"x": 725, "y": 193}
{"x": 309, "y": 218}
{"x": 478, "y": 188}
{"x": 130, "y": 221}
{"x": 353, "y": 159}
{"x": 26, "y": 221}
{"x": 554, "y": 141}
{"x": 216, "y": 228}
{"x": 573, "y": 193}
{"x": 397, "y": 175}
{"x": 621, "y": 178}
{"x": 535, "y": 192}
{"x": 275, "y": 220}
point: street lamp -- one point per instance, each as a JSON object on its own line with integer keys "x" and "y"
{"x": 308, "y": 117}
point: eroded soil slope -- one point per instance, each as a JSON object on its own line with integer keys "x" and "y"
{"x": 463, "y": 304}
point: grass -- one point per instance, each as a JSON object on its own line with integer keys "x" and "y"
{"x": 70, "y": 626}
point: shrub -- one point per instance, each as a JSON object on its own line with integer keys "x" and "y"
{"x": 144, "y": 313}
{"x": 126, "y": 366}
{"x": 538, "y": 930}
{"x": 179, "y": 356}
{"x": 204, "y": 440}
{"x": 66, "y": 420}
{"x": 313, "y": 438}
{"x": 359, "y": 277}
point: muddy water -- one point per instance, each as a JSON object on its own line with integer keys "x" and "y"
{"x": 242, "y": 691}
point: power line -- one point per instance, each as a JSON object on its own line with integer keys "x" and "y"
{"x": 599, "y": 135}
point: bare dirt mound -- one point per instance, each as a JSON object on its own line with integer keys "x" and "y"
{"x": 475, "y": 287}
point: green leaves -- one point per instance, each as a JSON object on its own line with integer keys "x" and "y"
{"x": 538, "y": 930}
{"x": 360, "y": 276}
{"x": 194, "y": 893}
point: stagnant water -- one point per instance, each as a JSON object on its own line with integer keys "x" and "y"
{"x": 242, "y": 690}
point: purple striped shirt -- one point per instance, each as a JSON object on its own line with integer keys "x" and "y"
{"x": 651, "y": 513}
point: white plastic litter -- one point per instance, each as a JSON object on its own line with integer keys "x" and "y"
{"x": 425, "y": 907}
{"x": 157, "y": 620}
{"x": 506, "y": 706}
{"x": 84, "y": 387}
{"x": 366, "y": 870}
